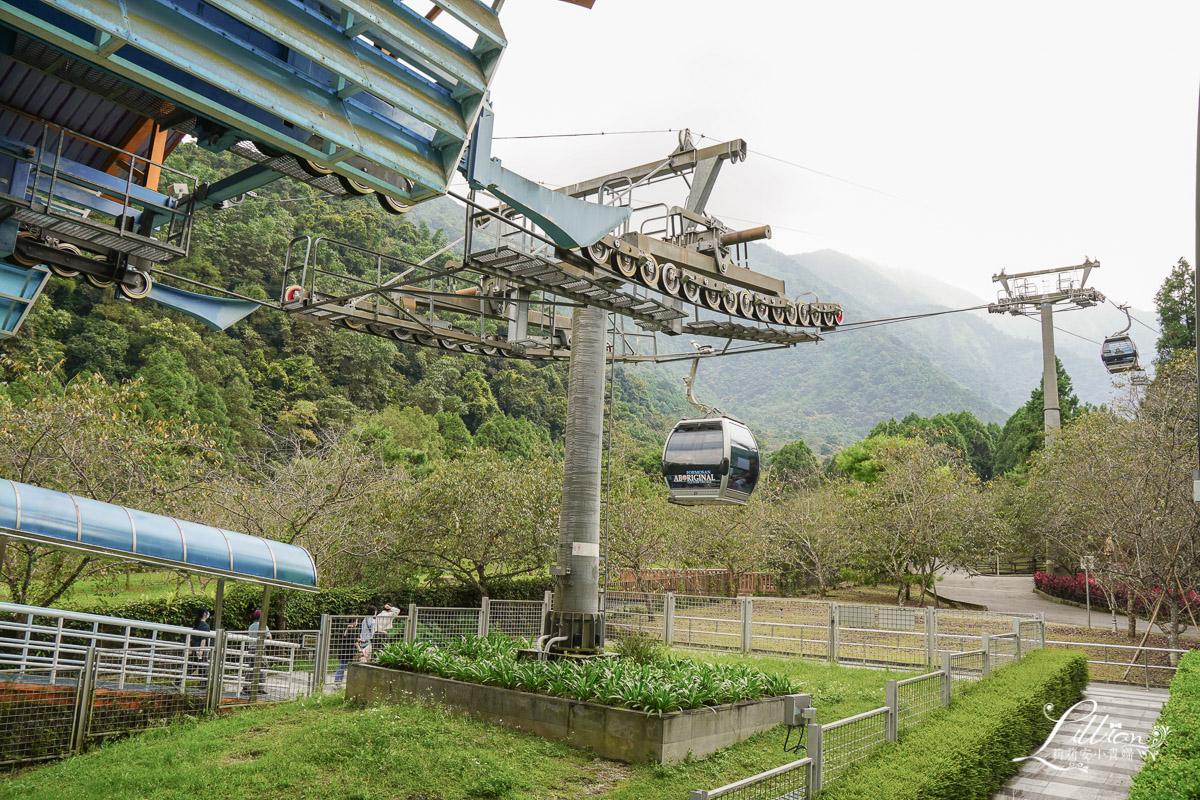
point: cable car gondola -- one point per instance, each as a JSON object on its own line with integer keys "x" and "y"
{"x": 711, "y": 460}
{"x": 1118, "y": 352}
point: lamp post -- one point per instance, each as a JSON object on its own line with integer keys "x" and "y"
{"x": 1087, "y": 563}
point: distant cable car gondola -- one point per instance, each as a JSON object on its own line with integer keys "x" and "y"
{"x": 710, "y": 460}
{"x": 1118, "y": 352}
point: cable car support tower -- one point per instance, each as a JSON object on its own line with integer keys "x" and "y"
{"x": 1043, "y": 289}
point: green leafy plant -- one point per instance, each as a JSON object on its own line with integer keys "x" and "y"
{"x": 639, "y": 646}
{"x": 658, "y": 687}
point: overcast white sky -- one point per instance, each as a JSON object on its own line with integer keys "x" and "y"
{"x": 1019, "y": 135}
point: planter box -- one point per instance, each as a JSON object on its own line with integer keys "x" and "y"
{"x": 615, "y": 733}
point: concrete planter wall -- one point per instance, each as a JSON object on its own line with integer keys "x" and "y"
{"x": 615, "y": 733}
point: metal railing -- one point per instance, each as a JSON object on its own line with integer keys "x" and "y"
{"x": 910, "y": 638}
{"x": 789, "y": 782}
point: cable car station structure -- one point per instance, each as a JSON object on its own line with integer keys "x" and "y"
{"x": 369, "y": 97}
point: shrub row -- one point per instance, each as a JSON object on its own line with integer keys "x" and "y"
{"x": 303, "y": 610}
{"x": 966, "y": 751}
{"x": 1175, "y": 772}
{"x": 1076, "y": 588}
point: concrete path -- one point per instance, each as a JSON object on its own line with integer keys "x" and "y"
{"x": 1005, "y": 593}
{"x": 1099, "y": 765}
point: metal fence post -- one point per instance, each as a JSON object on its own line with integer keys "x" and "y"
{"x": 698, "y": 794}
{"x": 547, "y": 607}
{"x": 931, "y": 647}
{"x": 892, "y": 697}
{"x": 1042, "y": 630}
{"x": 1017, "y": 631}
{"x": 747, "y": 622}
{"x": 485, "y": 609}
{"x": 216, "y": 672}
{"x": 832, "y": 650}
{"x": 83, "y": 701}
{"x": 321, "y": 656}
{"x": 814, "y": 752}
{"x": 809, "y": 772}
{"x": 669, "y": 618}
{"x": 987, "y": 654}
{"x": 947, "y": 678}
{"x": 410, "y": 628}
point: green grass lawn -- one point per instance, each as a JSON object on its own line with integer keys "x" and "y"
{"x": 116, "y": 586}
{"x": 327, "y": 748}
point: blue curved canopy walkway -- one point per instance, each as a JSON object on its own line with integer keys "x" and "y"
{"x": 65, "y": 520}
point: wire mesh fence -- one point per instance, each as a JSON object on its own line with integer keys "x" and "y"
{"x": 790, "y": 628}
{"x": 846, "y": 741}
{"x": 1003, "y": 649}
{"x": 916, "y": 697}
{"x": 517, "y": 619}
{"x": 710, "y": 622}
{"x": 629, "y": 612}
{"x": 789, "y": 782}
{"x": 966, "y": 668}
{"x": 442, "y": 625}
{"x": 277, "y": 665}
{"x": 38, "y": 713}
{"x": 1031, "y": 632}
{"x": 130, "y": 693}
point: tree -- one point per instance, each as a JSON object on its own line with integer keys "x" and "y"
{"x": 920, "y": 514}
{"x": 88, "y": 437}
{"x": 336, "y": 498}
{"x": 1024, "y": 433}
{"x": 794, "y": 463}
{"x": 811, "y": 534}
{"x": 512, "y": 437}
{"x": 641, "y": 524}
{"x": 1176, "y": 304}
{"x": 1116, "y": 486}
{"x": 482, "y": 519}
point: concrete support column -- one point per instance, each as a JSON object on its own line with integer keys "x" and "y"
{"x": 1052, "y": 418}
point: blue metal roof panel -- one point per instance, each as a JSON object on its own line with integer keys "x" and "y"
{"x": 58, "y": 518}
{"x": 44, "y": 97}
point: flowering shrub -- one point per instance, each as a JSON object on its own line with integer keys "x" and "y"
{"x": 1075, "y": 589}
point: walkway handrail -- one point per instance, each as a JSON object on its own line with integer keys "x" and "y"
{"x": 96, "y": 619}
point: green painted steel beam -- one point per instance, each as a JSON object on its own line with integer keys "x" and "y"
{"x": 479, "y": 18}
{"x": 399, "y": 28}
{"x": 362, "y": 66}
{"x": 209, "y": 56}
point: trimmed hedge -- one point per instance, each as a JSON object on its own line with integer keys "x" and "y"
{"x": 1176, "y": 771}
{"x": 966, "y": 751}
{"x": 303, "y": 610}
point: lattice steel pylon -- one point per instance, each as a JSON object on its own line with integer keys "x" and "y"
{"x": 1044, "y": 289}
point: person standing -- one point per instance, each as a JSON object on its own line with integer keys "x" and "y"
{"x": 366, "y": 634}
{"x": 383, "y": 624}
{"x": 200, "y": 646}
{"x": 253, "y": 655}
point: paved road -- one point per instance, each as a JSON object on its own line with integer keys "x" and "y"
{"x": 1091, "y": 761}
{"x": 1003, "y": 593}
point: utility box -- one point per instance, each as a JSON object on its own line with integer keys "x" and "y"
{"x": 798, "y": 710}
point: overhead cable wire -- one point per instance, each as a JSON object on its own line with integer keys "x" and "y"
{"x": 1132, "y": 317}
{"x": 1061, "y": 330}
{"x": 872, "y": 323}
{"x": 591, "y": 133}
{"x": 822, "y": 173}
